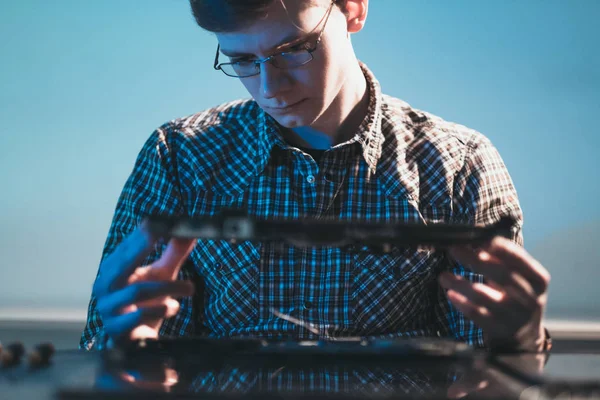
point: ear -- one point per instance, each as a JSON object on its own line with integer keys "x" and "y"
{"x": 356, "y": 14}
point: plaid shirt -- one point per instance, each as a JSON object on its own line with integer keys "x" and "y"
{"x": 402, "y": 165}
{"x": 355, "y": 381}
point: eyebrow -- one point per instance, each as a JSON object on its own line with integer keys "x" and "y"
{"x": 288, "y": 41}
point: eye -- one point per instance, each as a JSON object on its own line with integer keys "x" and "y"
{"x": 242, "y": 61}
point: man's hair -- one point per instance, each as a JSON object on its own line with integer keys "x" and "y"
{"x": 232, "y": 15}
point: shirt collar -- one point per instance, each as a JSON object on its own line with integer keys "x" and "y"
{"x": 368, "y": 135}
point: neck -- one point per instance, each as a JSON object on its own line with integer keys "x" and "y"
{"x": 341, "y": 120}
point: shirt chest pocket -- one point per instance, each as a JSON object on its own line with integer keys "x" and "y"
{"x": 397, "y": 265}
{"x": 231, "y": 273}
{"x": 391, "y": 292}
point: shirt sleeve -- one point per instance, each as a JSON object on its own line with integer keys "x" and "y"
{"x": 483, "y": 193}
{"x": 150, "y": 189}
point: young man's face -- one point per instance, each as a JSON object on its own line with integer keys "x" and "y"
{"x": 301, "y": 95}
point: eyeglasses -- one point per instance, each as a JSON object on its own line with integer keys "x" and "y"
{"x": 295, "y": 57}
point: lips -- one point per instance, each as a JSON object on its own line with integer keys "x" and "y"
{"x": 286, "y": 107}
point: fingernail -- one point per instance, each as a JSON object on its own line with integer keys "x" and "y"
{"x": 484, "y": 255}
{"x": 172, "y": 308}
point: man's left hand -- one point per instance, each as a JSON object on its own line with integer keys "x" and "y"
{"x": 509, "y": 307}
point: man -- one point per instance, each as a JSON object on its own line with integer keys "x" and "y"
{"x": 320, "y": 140}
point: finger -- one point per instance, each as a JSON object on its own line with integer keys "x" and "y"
{"x": 149, "y": 377}
{"x": 526, "y": 300}
{"x": 465, "y": 387}
{"x": 492, "y": 310}
{"x": 172, "y": 305}
{"x": 129, "y": 254}
{"x": 108, "y": 380}
{"x": 513, "y": 255}
{"x": 478, "y": 293}
{"x": 173, "y": 257}
{"x": 520, "y": 291}
{"x": 120, "y": 326}
{"x": 479, "y": 315}
{"x": 113, "y": 303}
{"x": 141, "y": 274}
{"x": 476, "y": 300}
{"x": 498, "y": 320}
{"x": 493, "y": 269}
{"x": 150, "y": 327}
{"x": 464, "y": 254}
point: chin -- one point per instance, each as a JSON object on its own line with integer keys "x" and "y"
{"x": 302, "y": 115}
{"x": 290, "y": 121}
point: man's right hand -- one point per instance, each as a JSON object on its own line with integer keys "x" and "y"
{"x": 133, "y": 300}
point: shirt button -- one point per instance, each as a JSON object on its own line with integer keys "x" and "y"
{"x": 310, "y": 179}
{"x": 307, "y": 305}
{"x": 218, "y": 265}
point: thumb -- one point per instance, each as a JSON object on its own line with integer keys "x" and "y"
{"x": 174, "y": 256}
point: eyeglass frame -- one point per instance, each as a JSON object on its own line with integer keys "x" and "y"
{"x": 258, "y": 62}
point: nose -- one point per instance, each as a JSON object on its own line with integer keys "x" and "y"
{"x": 273, "y": 80}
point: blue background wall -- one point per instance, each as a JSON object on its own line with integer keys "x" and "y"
{"x": 83, "y": 84}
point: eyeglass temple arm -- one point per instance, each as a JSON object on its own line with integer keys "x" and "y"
{"x": 216, "y": 65}
{"x": 326, "y": 18}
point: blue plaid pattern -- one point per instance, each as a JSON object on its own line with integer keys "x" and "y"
{"x": 403, "y": 165}
{"x": 376, "y": 382}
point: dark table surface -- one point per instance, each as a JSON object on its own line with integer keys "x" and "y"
{"x": 210, "y": 369}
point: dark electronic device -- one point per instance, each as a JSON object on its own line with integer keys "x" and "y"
{"x": 317, "y": 232}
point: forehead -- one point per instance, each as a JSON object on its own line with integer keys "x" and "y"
{"x": 285, "y": 21}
